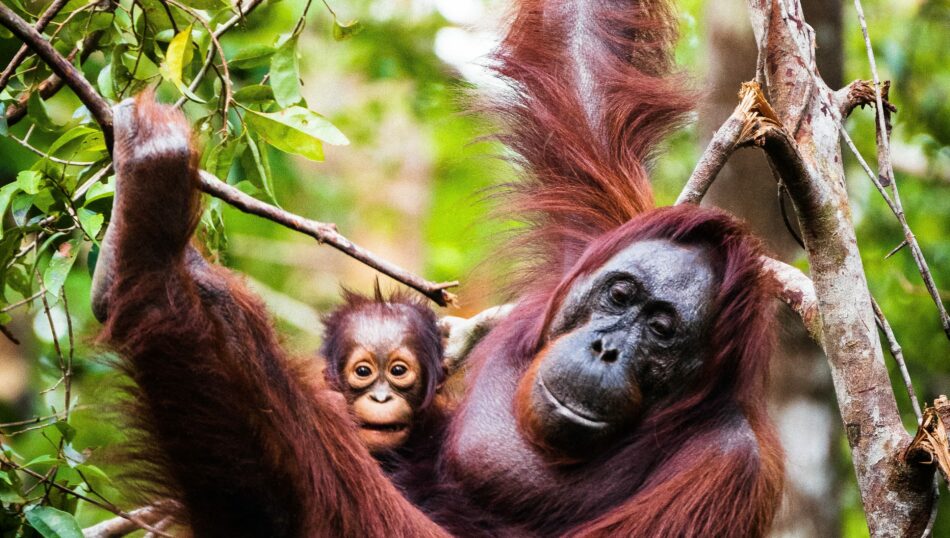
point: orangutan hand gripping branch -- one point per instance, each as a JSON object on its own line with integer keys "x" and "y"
{"x": 623, "y": 396}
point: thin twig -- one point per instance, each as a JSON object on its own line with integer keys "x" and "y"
{"x": 243, "y": 11}
{"x": 733, "y": 132}
{"x": 120, "y": 526}
{"x": 226, "y": 75}
{"x": 886, "y": 171}
{"x": 103, "y": 504}
{"x": 61, "y": 67}
{"x": 23, "y": 142}
{"x": 898, "y": 354}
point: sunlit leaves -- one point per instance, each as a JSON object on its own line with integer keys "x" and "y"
{"x": 55, "y": 275}
{"x": 177, "y": 56}
{"x": 285, "y": 73}
{"x": 345, "y": 30}
{"x": 53, "y": 523}
{"x": 55, "y": 202}
{"x": 296, "y": 130}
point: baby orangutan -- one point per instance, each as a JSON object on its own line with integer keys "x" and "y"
{"x": 385, "y": 356}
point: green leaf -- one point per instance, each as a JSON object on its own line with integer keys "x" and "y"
{"x": 260, "y": 166}
{"x": 6, "y": 192}
{"x": 178, "y": 55}
{"x": 18, "y": 281}
{"x": 66, "y": 430}
{"x": 346, "y": 30}
{"x": 3, "y": 120}
{"x": 20, "y": 207}
{"x": 285, "y": 74}
{"x": 53, "y": 523}
{"x": 252, "y": 55}
{"x": 29, "y": 181}
{"x": 207, "y": 4}
{"x": 59, "y": 266}
{"x": 140, "y": 66}
{"x": 99, "y": 190}
{"x": 255, "y": 94}
{"x": 106, "y": 84}
{"x": 80, "y": 143}
{"x": 296, "y": 130}
{"x": 38, "y": 112}
{"x": 45, "y": 458}
{"x": 9, "y": 493}
{"x": 90, "y": 221}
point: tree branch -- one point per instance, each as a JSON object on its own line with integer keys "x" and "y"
{"x": 121, "y": 526}
{"x": 897, "y": 497}
{"x": 730, "y": 136}
{"x": 97, "y": 106}
{"x": 325, "y": 233}
{"x": 41, "y": 23}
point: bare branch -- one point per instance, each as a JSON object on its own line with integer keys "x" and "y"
{"x": 798, "y": 292}
{"x": 898, "y": 353}
{"x": 897, "y": 497}
{"x": 122, "y": 526}
{"x": 324, "y": 233}
{"x": 886, "y": 172}
{"x": 859, "y": 93}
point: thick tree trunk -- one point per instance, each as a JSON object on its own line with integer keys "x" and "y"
{"x": 802, "y": 394}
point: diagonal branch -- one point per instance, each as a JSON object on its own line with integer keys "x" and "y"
{"x": 325, "y": 233}
{"x": 20, "y": 55}
{"x": 61, "y": 67}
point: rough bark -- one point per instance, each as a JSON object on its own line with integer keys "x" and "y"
{"x": 896, "y": 496}
{"x": 801, "y": 396}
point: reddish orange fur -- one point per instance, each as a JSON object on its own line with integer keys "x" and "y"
{"x": 250, "y": 447}
{"x": 237, "y": 432}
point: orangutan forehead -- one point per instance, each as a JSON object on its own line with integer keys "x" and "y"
{"x": 380, "y": 329}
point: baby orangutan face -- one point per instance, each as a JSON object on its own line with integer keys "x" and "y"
{"x": 383, "y": 381}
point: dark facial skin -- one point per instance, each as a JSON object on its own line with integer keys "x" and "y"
{"x": 383, "y": 380}
{"x": 625, "y": 336}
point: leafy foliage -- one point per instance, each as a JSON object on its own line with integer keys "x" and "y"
{"x": 410, "y": 186}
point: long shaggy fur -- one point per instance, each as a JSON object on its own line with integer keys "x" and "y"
{"x": 249, "y": 444}
{"x": 592, "y": 92}
{"x": 239, "y": 434}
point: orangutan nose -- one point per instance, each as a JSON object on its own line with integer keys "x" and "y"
{"x": 605, "y": 353}
{"x": 381, "y": 395}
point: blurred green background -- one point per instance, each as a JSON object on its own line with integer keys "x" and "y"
{"x": 411, "y": 186}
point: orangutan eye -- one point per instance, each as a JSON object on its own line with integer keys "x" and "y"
{"x": 662, "y": 326}
{"x": 398, "y": 370}
{"x": 363, "y": 371}
{"x": 621, "y": 293}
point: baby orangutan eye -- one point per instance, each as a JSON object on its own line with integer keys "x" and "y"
{"x": 363, "y": 371}
{"x": 398, "y": 370}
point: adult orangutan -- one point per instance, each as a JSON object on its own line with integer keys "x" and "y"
{"x": 622, "y": 397}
